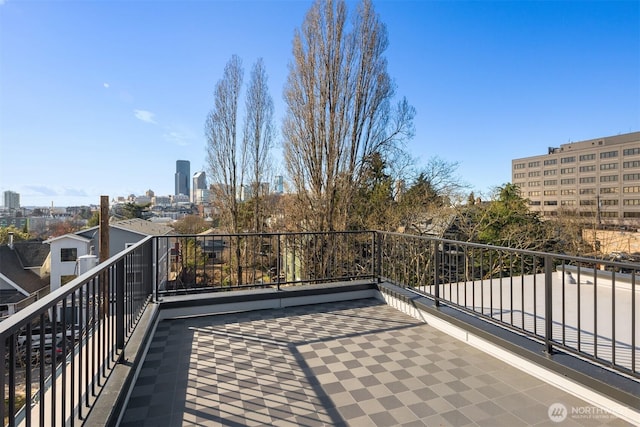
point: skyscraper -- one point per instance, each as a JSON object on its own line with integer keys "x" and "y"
{"x": 279, "y": 184}
{"x": 182, "y": 177}
{"x": 199, "y": 189}
{"x": 11, "y": 200}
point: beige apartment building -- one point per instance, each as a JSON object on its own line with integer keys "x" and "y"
{"x": 598, "y": 179}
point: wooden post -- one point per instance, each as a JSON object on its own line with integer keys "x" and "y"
{"x": 104, "y": 228}
{"x": 104, "y": 254}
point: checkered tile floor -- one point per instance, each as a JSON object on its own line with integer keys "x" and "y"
{"x": 357, "y": 363}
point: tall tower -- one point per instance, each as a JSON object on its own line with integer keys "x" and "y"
{"x": 183, "y": 176}
{"x": 11, "y": 200}
{"x": 199, "y": 187}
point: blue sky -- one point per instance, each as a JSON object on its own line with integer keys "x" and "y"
{"x": 102, "y": 97}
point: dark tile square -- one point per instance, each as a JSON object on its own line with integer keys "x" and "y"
{"x": 456, "y": 418}
{"x": 383, "y": 419}
{"x": 361, "y": 395}
{"x": 390, "y": 402}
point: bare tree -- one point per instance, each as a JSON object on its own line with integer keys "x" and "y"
{"x": 339, "y": 112}
{"x": 226, "y": 164}
{"x": 258, "y": 138}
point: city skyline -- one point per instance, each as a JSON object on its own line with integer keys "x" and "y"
{"x": 102, "y": 98}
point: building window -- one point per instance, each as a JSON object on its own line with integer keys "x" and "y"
{"x": 568, "y": 203}
{"x": 534, "y": 164}
{"x": 609, "y": 154}
{"x": 609, "y": 178}
{"x": 534, "y": 184}
{"x": 550, "y": 192}
{"x": 587, "y": 157}
{"x": 633, "y": 164}
{"x": 534, "y": 202}
{"x": 550, "y": 172}
{"x": 610, "y": 202}
{"x": 550, "y": 162}
{"x": 588, "y": 214}
{"x": 519, "y": 166}
{"x": 68, "y": 254}
{"x": 609, "y": 214}
{"x": 590, "y": 168}
{"x": 518, "y": 175}
{"x": 551, "y": 182}
{"x": 608, "y": 166}
{"x": 632, "y": 214}
{"x": 609, "y": 190}
{"x": 569, "y": 192}
{"x": 587, "y": 191}
{"x": 534, "y": 173}
{"x": 631, "y": 177}
{"x": 567, "y": 170}
{"x": 587, "y": 179}
{"x": 631, "y": 189}
{"x": 631, "y": 151}
{"x": 587, "y": 202}
{"x": 568, "y": 159}
{"x": 551, "y": 203}
{"x": 568, "y": 181}
{"x": 534, "y": 193}
{"x": 631, "y": 202}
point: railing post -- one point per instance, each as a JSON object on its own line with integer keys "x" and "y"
{"x": 120, "y": 332}
{"x": 548, "y": 304}
{"x": 377, "y": 255}
{"x": 278, "y": 259}
{"x": 436, "y": 273}
{"x": 155, "y": 247}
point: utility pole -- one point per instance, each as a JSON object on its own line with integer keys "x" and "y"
{"x": 104, "y": 253}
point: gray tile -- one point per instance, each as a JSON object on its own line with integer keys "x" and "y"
{"x": 346, "y": 363}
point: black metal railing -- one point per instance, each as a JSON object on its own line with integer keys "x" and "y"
{"x": 580, "y": 305}
{"x": 59, "y": 351}
{"x": 215, "y": 262}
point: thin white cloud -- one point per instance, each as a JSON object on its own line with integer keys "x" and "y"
{"x": 177, "y": 138}
{"x": 40, "y": 190}
{"x": 145, "y": 116}
{"x": 106, "y": 85}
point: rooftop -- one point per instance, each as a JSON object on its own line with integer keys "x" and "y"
{"x": 359, "y": 363}
{"x": 353, "y": 328}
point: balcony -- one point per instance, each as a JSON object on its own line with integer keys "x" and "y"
{"x": 361, "y": 328}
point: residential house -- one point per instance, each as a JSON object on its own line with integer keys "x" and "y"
{"x": 23, "y": 275}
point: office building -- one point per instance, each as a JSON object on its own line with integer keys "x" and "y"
{"x": 11, "y": 200}
{"x": 279, "y": 184}
{"x": 597, "y": 178}
{"x": 199, "y": 191}
{"x": 182, "y": 177}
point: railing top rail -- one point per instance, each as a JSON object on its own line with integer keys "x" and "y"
{"x": 270, "y": 234}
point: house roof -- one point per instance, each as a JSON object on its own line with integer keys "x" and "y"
{"x": 141, "y": 226}
{"x": 436, "y": 225}
{"x": 68, "y": 236}
{"x": 31, "y": 253}
{"x": 13, "y": 270}
{"x": 11, "y": 297}
{"x": 136, "y": 225}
